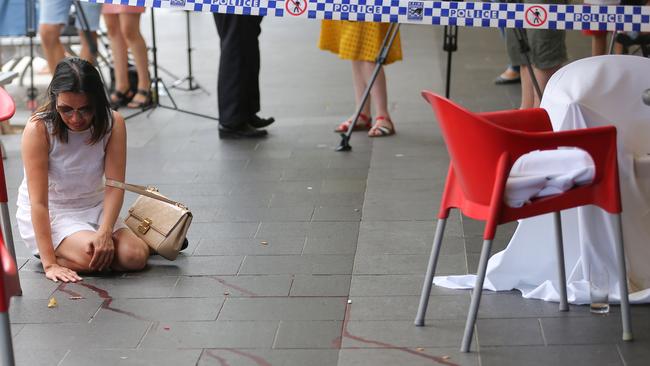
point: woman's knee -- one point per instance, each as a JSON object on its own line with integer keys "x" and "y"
{"x": 132, "y": 254}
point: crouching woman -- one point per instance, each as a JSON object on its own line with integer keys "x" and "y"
{"x": 65, "y": 215}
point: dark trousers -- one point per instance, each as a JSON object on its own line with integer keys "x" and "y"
{"x": 239, "y": 67}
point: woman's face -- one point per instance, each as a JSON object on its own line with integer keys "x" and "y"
{"x": 75, "y": 110}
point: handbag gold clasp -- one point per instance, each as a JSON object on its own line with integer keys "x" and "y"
{"x": 144, "y": 226}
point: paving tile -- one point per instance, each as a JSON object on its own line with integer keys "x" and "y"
{"x": 121, "y": 287}
{"x": 192, "y": 266}
{"x": 81, "y": 335}
{"x": 131, "y": 357}
{"x": 635, "y": 353}
{"x": 250, "y": 246}
{"x": 591, "y": 330}
{"x": 343, "y": 186}
{"x": 223, "y": 230}
{"x": 215, "y": 334}
{"x": 168, "y": 309}
{"x": 37, "y": 288}
{"x": 390, "y": 334}
{"x": 324, "y": 285}
{"x": 297, "y": 264}
{"x": 395, "y": 285}
{"x": 255, "y": 214}
{"x": 407, "y": 356}
{"x": 308, "y": 334}
{"x": 324, "y": 213}
{"x": 354, "y": 199}
{"x": 513, "y": 305}
{"x": 551, "y": 355}
{"x": 42, "y": 357}
{"x": 405, "y": 307}
{"x": 513, "y": 332}
{"x": 255, "y": 357}
{"x": 68, "y": 311}
{"x": 234, "y": 286}
{"x": 330, "y": 245}
{"x": 403, "y": 237}
{"x": 408, "y": 264}
{"x": 296, "y": 308}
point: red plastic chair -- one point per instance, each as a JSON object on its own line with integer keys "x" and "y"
{"x": 7, "y": 110}
{"x": 8, "y": 287}
{"x": 482, "y": 149}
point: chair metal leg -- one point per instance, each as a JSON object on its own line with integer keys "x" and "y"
{"x": 622, "y": 279}
{"x": 559, "y": 245}
{"x": 431, "y": 270}
{"x": 7, "y": 351}
{"x": 476, "y": 296}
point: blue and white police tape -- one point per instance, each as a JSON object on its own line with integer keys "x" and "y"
{"x": 468, "y": 14}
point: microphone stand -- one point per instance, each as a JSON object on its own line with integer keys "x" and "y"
{"x": 157, "y": 82}
{"x": 189, "y": 78}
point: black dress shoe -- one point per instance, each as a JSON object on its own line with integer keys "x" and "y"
{"x": 259, "y": 122}
{"x": 244, "y": 132}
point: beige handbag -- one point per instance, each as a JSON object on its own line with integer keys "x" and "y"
{"x": 154, "y": 218}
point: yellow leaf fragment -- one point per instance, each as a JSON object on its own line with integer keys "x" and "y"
{"x": 52, "y": 303}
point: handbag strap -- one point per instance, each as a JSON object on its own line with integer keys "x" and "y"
{"x": 143, "y": 191}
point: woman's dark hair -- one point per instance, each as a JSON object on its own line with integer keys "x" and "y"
{"x": 76, "y": 75}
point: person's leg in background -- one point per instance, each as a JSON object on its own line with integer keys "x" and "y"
{"x": 235, "y": 84}
{"x": 121, "y": 95}
{"x": 88, "y": 27}
{"x": 130, "y": 25}
{"x": 547, "y": 54}
{"x": 379, "y": 95}
{"x": 53, "y": 14}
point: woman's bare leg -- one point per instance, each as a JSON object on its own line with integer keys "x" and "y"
{"x": 130, "y": 24}
{"x": 360, "y": 82}
{"x": 120, "y": 52}
{"x": 131, "y": 253}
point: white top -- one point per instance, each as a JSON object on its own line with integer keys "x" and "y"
{"x": 75, "y": 189}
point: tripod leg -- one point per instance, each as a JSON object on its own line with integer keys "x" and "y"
{"x": 524, "y": 48}
{"x": 389, "y": 38}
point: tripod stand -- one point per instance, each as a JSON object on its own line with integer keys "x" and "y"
{"x": 189, "y": 78}
{"x": 30, "y": 20}
{"x": 157, "y": 82}
{"x": 393, "y": 28}
{"x": 449, "y": 44}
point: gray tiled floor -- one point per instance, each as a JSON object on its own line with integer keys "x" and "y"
{"x": 300, "y": 255}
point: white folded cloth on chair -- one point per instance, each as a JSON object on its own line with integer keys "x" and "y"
{"x": 546, "y": 173}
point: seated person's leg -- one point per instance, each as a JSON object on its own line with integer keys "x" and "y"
{"x": 131, "y": 252}
{"x": 74, "y": 252}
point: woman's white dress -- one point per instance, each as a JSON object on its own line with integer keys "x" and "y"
{"x": 75, "y": 191}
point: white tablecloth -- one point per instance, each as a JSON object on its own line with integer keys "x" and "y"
{"x": 596, "y": 91}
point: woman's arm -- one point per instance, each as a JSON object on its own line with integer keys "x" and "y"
{"x": 114, "y": 168}
{"x": 35, "y": 147}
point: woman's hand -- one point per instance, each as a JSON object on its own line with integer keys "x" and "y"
{"x": 56, "y": 272}
{"x": 102, "y": 250}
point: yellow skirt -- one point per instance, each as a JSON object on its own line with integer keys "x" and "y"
{"x": 357, "y": 41}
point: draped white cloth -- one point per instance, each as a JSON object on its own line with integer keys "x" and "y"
{"x": 596, "y": 91}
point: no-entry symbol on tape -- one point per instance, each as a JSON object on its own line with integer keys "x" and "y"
{"x": 295, "y": 7}
{"x": 536, "y": 15}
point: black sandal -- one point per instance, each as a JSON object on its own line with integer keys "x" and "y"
{"x": 120, "y": 99}
{"x": 141, "y": 105}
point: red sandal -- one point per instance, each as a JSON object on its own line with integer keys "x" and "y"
{"x": 382, "y": 130}
{"x": 364, "y": 122}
